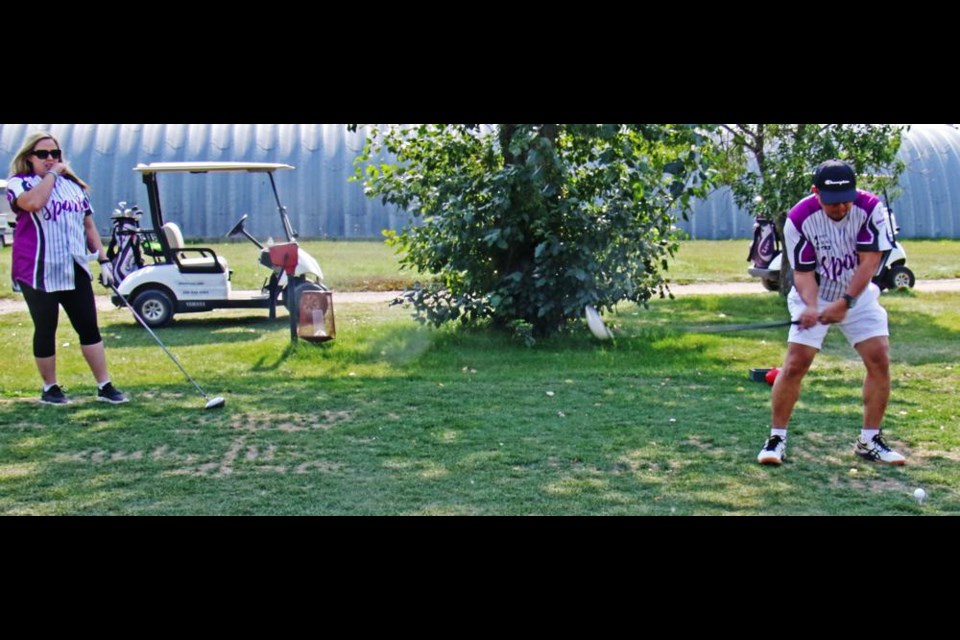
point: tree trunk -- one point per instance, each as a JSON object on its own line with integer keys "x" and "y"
{"x": 525, "y": 206}
{"x": 786, "y": 282}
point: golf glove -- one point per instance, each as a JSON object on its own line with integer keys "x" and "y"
{"x": 106, "y": 274}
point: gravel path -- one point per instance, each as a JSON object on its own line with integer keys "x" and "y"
{"x": 9, "y": 305}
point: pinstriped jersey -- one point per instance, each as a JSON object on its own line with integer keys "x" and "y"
{"x": 47, "y": 242}
{"x": 817, "y": 243}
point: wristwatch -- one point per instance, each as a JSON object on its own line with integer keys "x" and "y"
{"x": 850, "y": 300}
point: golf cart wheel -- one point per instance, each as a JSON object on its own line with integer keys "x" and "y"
{"x": 770, "y": 285}
{"x": 155, "y": 307}
{"x": 900, "y": 277}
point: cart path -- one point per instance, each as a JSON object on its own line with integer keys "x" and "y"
{"x": 10, "y": 305}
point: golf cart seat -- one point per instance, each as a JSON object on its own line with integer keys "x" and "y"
{"x": 208, "y": 262}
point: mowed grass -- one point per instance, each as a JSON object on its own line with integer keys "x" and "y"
{"x": 373, "y": 266}
{"x": 726, "y": 260}
{"x": 347, "y": 265}
{"x": 395, "y": 419}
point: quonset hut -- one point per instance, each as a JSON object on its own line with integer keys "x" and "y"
{"x": 323, "y": 203}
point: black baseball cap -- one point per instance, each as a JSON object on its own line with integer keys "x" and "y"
{"x": 836, "y": 182}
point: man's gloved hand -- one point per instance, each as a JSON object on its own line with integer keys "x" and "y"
{"x": 106, "y": 274}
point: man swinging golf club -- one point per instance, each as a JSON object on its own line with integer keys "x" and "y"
{"x": 839, "y": 234}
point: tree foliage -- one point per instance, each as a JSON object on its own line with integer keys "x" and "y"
{"x": 524, "y": 224}
{"x": 770, "y": 166}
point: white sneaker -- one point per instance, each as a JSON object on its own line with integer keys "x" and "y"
{"x": 877, "y": 451}
{"x": 774, "y": 452}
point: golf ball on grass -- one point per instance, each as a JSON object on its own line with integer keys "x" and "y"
{"x": 920, "y": 494}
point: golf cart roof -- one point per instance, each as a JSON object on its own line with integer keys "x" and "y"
{"x": 204, "y": 167}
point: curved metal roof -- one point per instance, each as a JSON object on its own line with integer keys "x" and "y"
{"x": 927, "y": 207}
{"x": 322, "y": 201}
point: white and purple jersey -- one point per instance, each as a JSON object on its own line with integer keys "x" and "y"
{"x": 47, "y": 242}
{"x": 817, "y": 243}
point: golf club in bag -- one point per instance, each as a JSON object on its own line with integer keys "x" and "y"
{"x": 212, "y": 403}
{"x": 602, "y": 332}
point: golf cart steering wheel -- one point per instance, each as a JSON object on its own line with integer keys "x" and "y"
{"x": 238, "y": 228}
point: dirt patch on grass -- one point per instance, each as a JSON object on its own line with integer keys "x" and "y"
{"x": 873, "y": 485}
{"x": 289, "y": 423}
{"x": 698, "y": 443}
{"x": 932, "y": 454}
{"x": 238, "y": 457}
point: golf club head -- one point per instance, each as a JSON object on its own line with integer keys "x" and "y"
{"x": 215, "y": 403}
{"x": 596, "y": 325}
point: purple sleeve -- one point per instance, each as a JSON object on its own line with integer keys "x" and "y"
{"x": 803, "y": 254}
{"x": 876, "y": 232}
{"x": 15, "y": 189}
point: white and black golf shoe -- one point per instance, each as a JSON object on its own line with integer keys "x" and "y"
{"x": 774, "y": 451}
{"x": 877, "y": 451}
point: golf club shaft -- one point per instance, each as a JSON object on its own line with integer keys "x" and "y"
{"x": 159, "y": 342}
{"x": 723, "y": 328}
{"x": 720, "y": 328}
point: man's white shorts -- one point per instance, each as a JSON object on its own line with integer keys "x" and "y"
{"x": 866, "y": 320}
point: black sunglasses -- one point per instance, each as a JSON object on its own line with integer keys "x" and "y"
{"x": 43, "y": 154}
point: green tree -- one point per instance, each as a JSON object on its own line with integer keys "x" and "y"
{"x": 525, "y": 224}
{"x": 770, "y": 167}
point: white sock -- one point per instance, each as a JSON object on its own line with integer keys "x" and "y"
{"x": 101, "y": 385}
{"x": 47, "y": 387}
{"x": 867, "y": 434}
{"x": 779, "y": 432}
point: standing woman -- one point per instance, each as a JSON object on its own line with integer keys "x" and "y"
{"x": 54, "y": 239}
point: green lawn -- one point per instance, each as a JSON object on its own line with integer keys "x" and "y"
{"x": 726, "y": 260}
{"x": 372, "y": 266}
{"x": 392, "y": 418}
{"x": 347, "y": 265}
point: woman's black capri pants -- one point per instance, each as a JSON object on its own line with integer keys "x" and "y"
{"x": 81, "y": 308}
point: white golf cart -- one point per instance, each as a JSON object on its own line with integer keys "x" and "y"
{"x": 186, "y": 279}
{"x": 766, "y": 254}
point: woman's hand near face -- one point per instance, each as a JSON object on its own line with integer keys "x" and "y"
{"x": 37, "y": 198}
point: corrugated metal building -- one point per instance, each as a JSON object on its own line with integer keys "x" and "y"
{"x": 323, "y": 203}
{"x": 320, "y": 200}
{"x": 928, "y": 206}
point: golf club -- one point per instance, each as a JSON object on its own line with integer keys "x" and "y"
{"x": 212, "y": 403}
{"x": 602, "y": 332}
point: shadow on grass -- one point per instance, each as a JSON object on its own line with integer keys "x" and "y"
{"x": 262, "y": 365}
{"x": 395, "y": 419}
{"x": 200, "y": 331}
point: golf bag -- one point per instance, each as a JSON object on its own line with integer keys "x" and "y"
{"x": 766, "y": 243}
{"x": 124, "y": 248}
